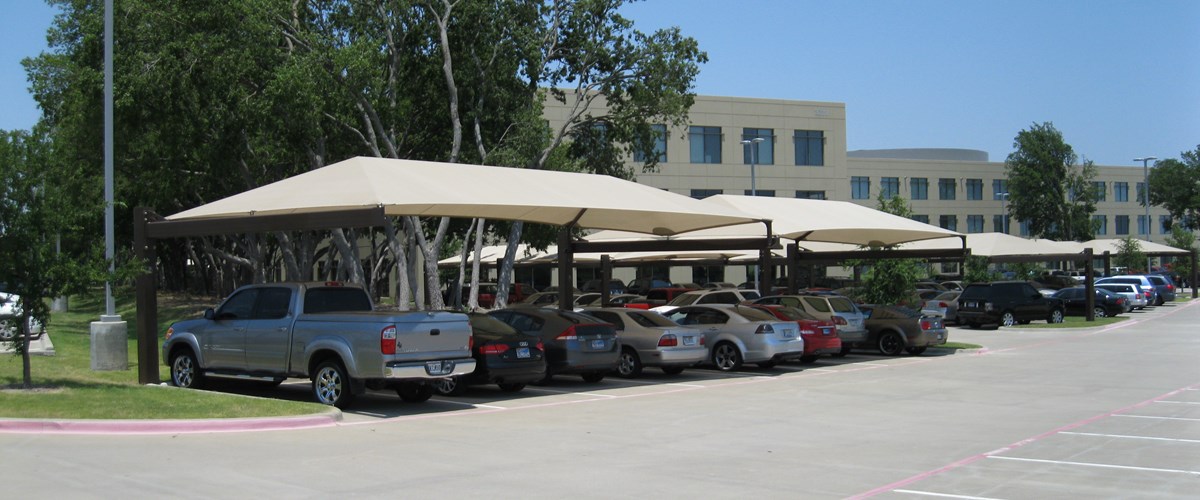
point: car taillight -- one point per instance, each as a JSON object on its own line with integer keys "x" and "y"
{"x": 1147, "y": 295}
{"x": 1170, "y": 287}
{"x": 568, "y": 334}
{"x": 668, "y": 340}
{"x": 838, "y": 320}
{"x": 387, "y": 340}
{"x": 701, "y": 340}
{"x": 926, "y": 324}
{"x": 1120, "y": 300}
{"x": 493, "y": 348}
{"x": 540, "y": 346}
{"x": 765, "y": 329}
{"x": 943, "y": 304}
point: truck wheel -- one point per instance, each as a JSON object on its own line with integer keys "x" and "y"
{"x": 331, "y": 385}
{"x": 449, "y": 386}
{"x": 185, "y": 370}
{"x": 414, "y": 393}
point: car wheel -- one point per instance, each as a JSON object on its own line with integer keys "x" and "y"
{"x": 891, "y": 344}
{"x": 415, "y": 393}
{"x": 1160, "y": 301}
{"x": 593, "y": 377}
{"x": 331, "y": 385}
{"x": 672, "y": 370}
{"x": 630, "y": 365}
{"x": 185, "y": 370}
{"x": 511, "y": 387}
{"x": 1098, "y": 312}
{"x": 449, "y": 386}
{"x": 1056, "y": 316}
{"x": 726, "y": 357}
{"x": 808, "y": 360}
{"x": 1008, "y": 319}
{"x": 916, "y": 351}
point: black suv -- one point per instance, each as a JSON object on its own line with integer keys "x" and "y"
{"x": 1006, "y": 303}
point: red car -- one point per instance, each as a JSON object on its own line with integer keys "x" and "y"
{"x": 820, "y": 335}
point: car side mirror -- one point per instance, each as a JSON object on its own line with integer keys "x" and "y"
{"x": 209, "y": 314}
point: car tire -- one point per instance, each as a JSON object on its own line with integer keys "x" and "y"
{"x": 506, "y": 387}
{"x": 672, "y": 370}
{"x": 726, "y": 357}
{"x": 891, "y": 344}
{"x": 1099, "y": 312}
{"x": 808, "y": 360}
{"x": 916, "y": 351}
{"x": 1008, "y": 319}
{"x": 414, "y": 393}
{"x": 331, "y": 385}
{"x": 629, "y": 364}
{"x": 185, "y": 370}
{"x": 593, "y": 377}
{"x": 1056, "y": 316}
{"x": 449, "y": 386}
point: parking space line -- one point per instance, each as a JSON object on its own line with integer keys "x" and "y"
{"x": 1132, "y": 437}
{"x": 1180, "y": 402}
{"x": 942, "y": 495}
{"x": 1160, "y": 418}
{"x": 1089, "y": 464}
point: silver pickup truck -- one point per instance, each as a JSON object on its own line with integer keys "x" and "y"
{"x": 327, "y": 332}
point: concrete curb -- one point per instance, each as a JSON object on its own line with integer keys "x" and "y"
{"x": 328, "y": 418}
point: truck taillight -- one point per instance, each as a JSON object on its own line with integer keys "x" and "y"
{"x": 668, "y": 340}
{"x": 387, "y": 340}
{"x": 568, "y": 334}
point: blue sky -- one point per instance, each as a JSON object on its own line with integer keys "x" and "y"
{"x": 1120, "y": 79}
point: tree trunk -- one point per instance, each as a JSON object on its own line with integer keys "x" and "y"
{"x": 506, "y": 267}
{"x": 403, "y": 294}
{"x": 473, "y": 302}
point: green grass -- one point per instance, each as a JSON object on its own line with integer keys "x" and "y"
{"x": 66, "y": 387}
{"x": 958, "y": 345}
{"x": 1076, "y": 322}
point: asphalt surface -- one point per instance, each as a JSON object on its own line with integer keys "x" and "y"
{"x": 1097, "y": 413}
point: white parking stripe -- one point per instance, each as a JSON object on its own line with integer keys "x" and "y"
{"x": 1159, "y": 418}
{"x": 941, "y": 495}
{"x": 1087, "y": 464}
{"x": 1180, "y": 402}
{"x": 1132, "y": 437}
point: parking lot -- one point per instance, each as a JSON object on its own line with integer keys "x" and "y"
{"x": 1037, "y": 413}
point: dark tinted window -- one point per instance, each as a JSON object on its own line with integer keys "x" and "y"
{"x": 753, "y": 314}
{"x": 650, "y": 320}
{"x": 524, "y": 322}
{"x": 487, "y": 327}
{"x": 239, "y": 305}
{"x": 719, "y": 298}
{"x": 609, "y": 317}
{"x": 335, "y": 299}
{"x": 273, "y": 303}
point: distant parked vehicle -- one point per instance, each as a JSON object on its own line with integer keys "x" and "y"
{"x": 740, "y": 334}
{"x": 895, "y": 329}
{"x": 642, "y": 286}
{"x": 593, "y": 299}
{"x": 944, "y": 305}
{"x": 575, "y": 343}
{"x": 820, "y": 335}
{"x": 841, "y": 310}
{"x": 503, "y": 356}
{"x": 650, "y": 339}
{"x": 1006, "y": 303}
{"x": 614, "y": 286}
{"x": 540, "y": 299}
{"x": 714, "y": 296}
{"x": 1164, "y": 287}
{"x": 658, "y": 297}
{"x": 10, "y": 312}
{"x": 1133, "y": 294}
{"x": 1142, "y": 282}
{"x": 1106, "y": 304}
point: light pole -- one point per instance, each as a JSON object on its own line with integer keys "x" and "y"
{"x": 1146, "y": 197}
{"x": 1003, "y": 211}
{"x": 753, "y": 143}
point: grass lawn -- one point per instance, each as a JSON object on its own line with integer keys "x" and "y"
{"x": 65, "y": 387}
{"x": 958, "y": 345}
{"x": 1075, "y": 322}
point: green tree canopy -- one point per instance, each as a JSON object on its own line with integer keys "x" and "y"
{"x": 1175, "y": 185}
{"x": 1047, "y": 190}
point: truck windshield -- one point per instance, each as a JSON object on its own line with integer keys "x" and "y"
{"x": 323, "y": 300}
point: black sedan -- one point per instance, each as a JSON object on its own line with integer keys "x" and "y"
{"x": 575, "y": 343}
{"x": 503, "y": 356}
{"x": 1108, "y": 304}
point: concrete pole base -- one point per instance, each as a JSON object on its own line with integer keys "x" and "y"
{"x": 59, "y": 304}
{"x": 110, "y": 345}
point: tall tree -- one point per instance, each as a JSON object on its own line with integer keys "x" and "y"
{"x": 1175, "y": 185}
{"x": 1041, "y": 173}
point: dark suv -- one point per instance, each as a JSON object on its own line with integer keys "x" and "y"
{"x": 1006, "y": 303}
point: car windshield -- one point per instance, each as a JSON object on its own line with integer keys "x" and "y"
{"x": 650, "y": 320}
{"x": 686, "y": 299}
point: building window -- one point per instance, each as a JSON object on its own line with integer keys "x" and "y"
{"x": 1100, "y": 224}
{"x": 701, "y": 194}
{"x": 660, "y": 144}
{"x": 999, "y": 189}
{"x": 1164, "y": 224}
{"x": 1141, "y": 222}
{"x": 810, "y": 147}
{"x": 918, "y": 188}
{"x": 889, "y": 187}
{"x": 975, "y": 222}
{"x": 1121, "y": 192}
{"x": 1122, "y": 225}
{"x": 1141, "y": 193}
{"x": 705, "y": 144}
{"x": 998, "y": 221}
{"x": 860, "y": 188}
{"x": 1101, "y": 190}
{"x": 974, "y": 189}
{"x": 948, "y": 222}
{"x": 1024, "y": 229}
{"x": 761, "y": 192}
{"x": 924, "y": 219}
{"x": 947, "y": 189}
{"x": 811, "y": 195}
{"x": 761, "y": 153}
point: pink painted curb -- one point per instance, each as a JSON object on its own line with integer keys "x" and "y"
{"x": 328, "y": 418}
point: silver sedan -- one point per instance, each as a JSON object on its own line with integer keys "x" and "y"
{"x": 738, "y": 334}
{"x": 649, "y": 339}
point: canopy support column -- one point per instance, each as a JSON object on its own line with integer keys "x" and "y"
{"x": 1089, "y": 282}
{"x": 566, "y": 258}
{"x": 146, "y": 298}
{"x": 605, "y": 278}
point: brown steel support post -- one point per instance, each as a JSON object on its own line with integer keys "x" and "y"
{"x": 146, "y": 299}
{"x": 605, "y": 278}
{"x": 793, "y": 253}
{"x": 565, "y": 258}
{"x": 1192, "y": 281}
{"x": 1107, "y": 263}
{"x": 1089, "y": 290}
{"x": 766, "y": 263}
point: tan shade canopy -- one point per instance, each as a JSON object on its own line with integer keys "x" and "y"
{"x": 408, "y": 187}
{"x": 999, "y": 245}
{"x": 1112, "y": 246}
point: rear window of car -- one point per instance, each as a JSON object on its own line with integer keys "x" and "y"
{"x": 818, "y": 304}
{"x": 753, "y": 314}
{"x": 750, "y": 294}
{"x": 686, "y": 299}
{"x": 947, "y": 296}
{"x": 609, "y": 317}
{"x": 650, "y": 320}
{"x": 794, "y": 314}
{"x": 719, "y": 298}
{"x": 485, "y": 325}
{"x": 842, "y": 305}
{"x": 333, "y": 299}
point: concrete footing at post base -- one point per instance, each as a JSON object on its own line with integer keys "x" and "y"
{"x": 110, "y": 344}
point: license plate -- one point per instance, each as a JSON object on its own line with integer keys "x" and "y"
{"x": 439, "y": 367}
{"x": 598, "y": 344}
{"x": 789, "y": 334}
{"x": 689, "y": 341}
{"x": 522, "y": 352}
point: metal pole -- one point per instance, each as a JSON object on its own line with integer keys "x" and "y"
{"x": 110, "y": 306}
{"x": 1146, "y": 198}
